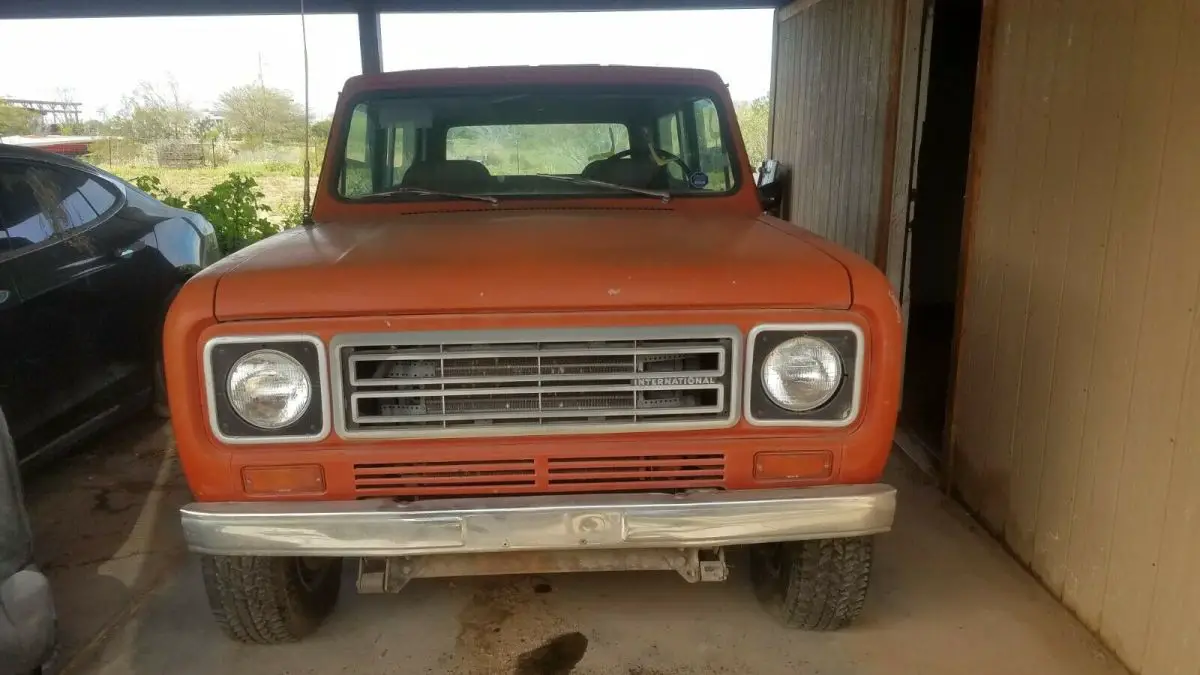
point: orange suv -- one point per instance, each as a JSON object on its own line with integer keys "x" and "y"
{"x": 540, "y": 323}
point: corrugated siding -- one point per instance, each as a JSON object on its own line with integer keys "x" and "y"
{"x": 831, "y": 93}
{"x": 1077, "y": 415}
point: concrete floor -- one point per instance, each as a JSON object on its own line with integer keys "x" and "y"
{"x": 945, "y": 599}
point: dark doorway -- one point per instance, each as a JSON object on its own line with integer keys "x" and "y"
{"x": 951, "y": 51}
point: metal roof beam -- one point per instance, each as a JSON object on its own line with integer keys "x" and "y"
{"x": 370, "y": 41}
{"x": 63, "y": 9}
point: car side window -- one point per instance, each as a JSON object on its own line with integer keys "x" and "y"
{"x": 38, "y": 203}
{"x": 21, "y": 213}
{"x": 82, "y": 200}
{"x": 99, "y": 197}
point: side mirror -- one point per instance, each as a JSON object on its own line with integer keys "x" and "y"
{"x": 772, "y": 187}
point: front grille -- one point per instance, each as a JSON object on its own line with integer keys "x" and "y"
{"x": 634, "y": 473}
{"x": 423, "y": 478}
{"x": 518, "y": 382}
{"x": 707, "y": 470}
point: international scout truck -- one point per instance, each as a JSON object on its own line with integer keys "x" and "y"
{"x": 540, "y": 323}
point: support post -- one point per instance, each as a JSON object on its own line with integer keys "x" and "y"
{"x": 370, "y": 45}
{"x": 369, "y": 40}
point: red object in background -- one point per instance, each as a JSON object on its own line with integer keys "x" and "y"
{"x": 68, "y": 149}
{"x": 70, "y": 146}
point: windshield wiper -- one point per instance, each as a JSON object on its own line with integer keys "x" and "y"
{"x": 429, "y": 193}
{"x": 579, "y": 180}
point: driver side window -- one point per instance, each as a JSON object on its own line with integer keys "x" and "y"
{"x": 669, "y": 134}
{"x": 714, "y": 157}
{"x": 371, "y": 149}
{"x": 356, "y": 172}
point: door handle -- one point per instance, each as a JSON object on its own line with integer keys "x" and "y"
{"x": 127, "y": 252}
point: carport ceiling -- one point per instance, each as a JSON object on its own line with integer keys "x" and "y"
{"x": 62, "y": 9}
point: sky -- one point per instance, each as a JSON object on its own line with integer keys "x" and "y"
{"x": 96, "y": 61}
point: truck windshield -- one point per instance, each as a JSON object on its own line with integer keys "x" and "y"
{"x": 537, "y": 142}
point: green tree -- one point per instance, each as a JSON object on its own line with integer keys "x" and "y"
{"x": 15, "y": 121}
{"x": 755, "y": 118}
{"x": 260, "y": 114}
{"x": 320, "y": 130}
{"x": 206, "y": 128}
{"x": 154, "y": 112}
{"x": 93, "y": 127}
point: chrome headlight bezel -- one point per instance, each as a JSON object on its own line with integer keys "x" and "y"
{"x": 220, "y": 355}
{"x": 840, "y": 410}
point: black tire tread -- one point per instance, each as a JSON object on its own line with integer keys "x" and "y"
{"x": 260, "y": 600}
{"x": 822, "y": 584}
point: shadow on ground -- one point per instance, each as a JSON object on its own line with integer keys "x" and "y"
{"x": 106, "y": 529}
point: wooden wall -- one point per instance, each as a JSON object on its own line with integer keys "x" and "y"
{"x": 1076, "y": 431}
{"x": 832, "y": 87}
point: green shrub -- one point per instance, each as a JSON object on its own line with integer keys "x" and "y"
{"x": 290, "y": 214}
{"x": 233, "y": 206}
{"x": 152, "y": 185}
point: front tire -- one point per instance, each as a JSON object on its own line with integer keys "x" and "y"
{"x": 818, "y": 585}
{"x": 270, "y": 600}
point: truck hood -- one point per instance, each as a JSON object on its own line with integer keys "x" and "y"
{"x": 530, "y": 261}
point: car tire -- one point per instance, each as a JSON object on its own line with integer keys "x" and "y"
{"x": 270, "y": 600}
{"x": 817, "y": 585}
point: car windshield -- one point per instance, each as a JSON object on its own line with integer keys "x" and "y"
{"x": 536, "y": 142}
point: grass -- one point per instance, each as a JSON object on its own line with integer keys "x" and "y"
{"x": 282, "y": 183}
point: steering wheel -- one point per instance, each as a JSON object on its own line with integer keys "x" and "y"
{"x": 663, "y": 154}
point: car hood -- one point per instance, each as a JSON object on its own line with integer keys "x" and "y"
{"x": 551, "y": 260}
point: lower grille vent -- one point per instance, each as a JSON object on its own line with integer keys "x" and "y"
{"x": 634, "y": 473}
{"x": 421, "y": 478}
{"x": 673, "y": 469}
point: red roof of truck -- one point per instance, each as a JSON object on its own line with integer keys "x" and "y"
{"x": 558, "y": 74}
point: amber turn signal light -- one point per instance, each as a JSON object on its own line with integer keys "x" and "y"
{"x": 283, "y": 480}
{"x": 793, "y": 465}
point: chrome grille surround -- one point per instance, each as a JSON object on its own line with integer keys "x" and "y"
{"x": 448, "y": 384}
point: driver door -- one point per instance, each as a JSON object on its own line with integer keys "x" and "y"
{"x": 43, "y": 317}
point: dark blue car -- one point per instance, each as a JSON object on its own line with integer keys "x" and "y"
{"x": 88, "y": 266}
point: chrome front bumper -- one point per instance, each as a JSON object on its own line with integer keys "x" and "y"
{"x": 382, "y": 527}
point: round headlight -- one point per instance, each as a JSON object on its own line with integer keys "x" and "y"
{"x": 269, "y": 389}
{"x": 802, "y": 374}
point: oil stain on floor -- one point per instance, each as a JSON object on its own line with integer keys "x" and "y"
{"x": 508, "y": 627}
{"x": 558, "y": 656}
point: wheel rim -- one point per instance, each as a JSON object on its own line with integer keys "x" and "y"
{"x": 770, "y": 562}
{"x": 311, "y": 572}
